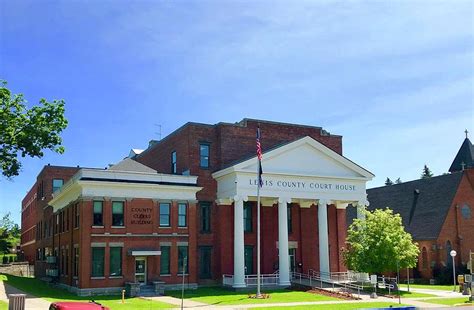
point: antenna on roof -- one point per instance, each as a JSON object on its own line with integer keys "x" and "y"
{"x": 159, "y": 131}
{"x": 466, "y": 132}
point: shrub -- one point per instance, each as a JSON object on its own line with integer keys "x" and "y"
{"x": 444, "y": 275}
{"x": 5, "y": 260}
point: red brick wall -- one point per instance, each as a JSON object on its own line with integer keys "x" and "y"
{"x": 458, "y": 230}
{"x": 35, "y": 213}
{"x": 136, "y": 242}
{"x": 230, "y": 143}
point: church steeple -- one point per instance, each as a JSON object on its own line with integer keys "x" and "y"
{"x": 465, "y": 156}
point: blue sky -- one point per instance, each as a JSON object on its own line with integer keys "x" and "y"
{"x": 395, "y": 78}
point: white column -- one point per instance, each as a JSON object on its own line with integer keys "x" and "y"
{"x": 323, "y": 235}
{"x": 361, "y": 206}
{"x": 239, "y": 259}
{"x": 283, "y": 255}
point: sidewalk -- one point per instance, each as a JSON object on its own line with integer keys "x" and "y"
{"x": 31, "y": 302}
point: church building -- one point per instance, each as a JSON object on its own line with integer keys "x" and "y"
{"x": 437, "y": 211}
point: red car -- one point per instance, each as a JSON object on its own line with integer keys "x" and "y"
{"x": 70, "y": 305}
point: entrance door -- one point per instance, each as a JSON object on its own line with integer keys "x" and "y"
{"x": 140, "y": 270}
{"x": 292, "y": 253}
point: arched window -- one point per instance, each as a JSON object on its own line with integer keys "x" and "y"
{"x": 449, "y": 260}
{"x": 424, "y": 258}
{"x": 466, "y": 211}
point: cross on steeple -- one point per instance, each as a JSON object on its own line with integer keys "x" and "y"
{"x": 462, "y": 166}
{"x": 466, "y": 132}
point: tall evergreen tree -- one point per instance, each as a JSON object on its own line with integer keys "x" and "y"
{"x": 398, "y": 181}
{"x": 426, "y": 173}
{"x": 388, "y": 182}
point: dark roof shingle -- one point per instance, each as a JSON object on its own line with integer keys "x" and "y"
{"x": 423, "y": 204}
{"x": 465, "y": 156}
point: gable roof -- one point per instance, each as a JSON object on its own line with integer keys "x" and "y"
{"x": 283, "y": 155}
{"x": 465, "y": 155}
{"x": 423, "y": 204}
{"x": 131, "y": 165}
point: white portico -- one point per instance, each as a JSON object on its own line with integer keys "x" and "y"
{"x": 304, "y": 172}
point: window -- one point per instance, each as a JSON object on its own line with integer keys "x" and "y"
{"x": 165, "y": 260}
{"x": 173, "y": 162}
{"x": 76, "y": 215}
{"x": 204, "y": 155}
{"x": 205, "y": 217}
{"x": 98, "y": 213}
{"x": 466, "y": 211}
{"x": 67, "y": 219}
{"x": 248, "y": 259}
{"x": 449, "y": 260}
{"x": 424, "y": 259}
{"x": 290, "y": 226}
{"x": 164, "y": 214}
{"x": 97, "y": 262}
{"x": 76, "y": 262}
{"x": 115, "y": 261}
{"x": 247, "y": 217}
{"x": 205, "y": 262}
{"x": 183, "y": 259}
{"x": 117, "y": 213}
{"x": 182, "y": 211}
{"x": 66, "y": 254}
{"x": 57, "y": 184}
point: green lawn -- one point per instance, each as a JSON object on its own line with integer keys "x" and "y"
{"x": 3, "y": 305}
{"x": 354, "y": 305}
{"x": 430, "y": 287}
{"x": 460, "y": 301}
{"x": 221, "y": 296}
{"x": 40, "y": 289}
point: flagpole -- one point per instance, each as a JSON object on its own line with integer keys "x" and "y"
{"x": 258, "y": 235}
{"x": 259, "y": 183}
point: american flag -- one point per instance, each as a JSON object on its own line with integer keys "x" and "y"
{"x": 259, "y": 156}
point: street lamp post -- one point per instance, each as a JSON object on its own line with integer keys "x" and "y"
{"x": 453, "y": 254}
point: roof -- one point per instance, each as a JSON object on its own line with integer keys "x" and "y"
{"x": 134, "y": 152}
{"x": 132, "y": 166}
{"x": 423, "y": 204}
{"x": 465, "y": 156}
{"x": 294, "y": 143}
{"x": 243, "y": 123}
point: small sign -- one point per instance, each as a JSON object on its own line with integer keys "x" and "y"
{"x": 373, "y": 279}
{"x": 453, "y": 253}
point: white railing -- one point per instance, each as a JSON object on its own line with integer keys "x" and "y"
{"x": 322, "y": 279}
{"x": 227, "y": 279}
{"x": 251, "y": 280}
{"x": 265, "y": 279}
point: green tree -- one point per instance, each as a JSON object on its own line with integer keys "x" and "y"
{"x": 9, "y": 233}
{"x": 378, "y": 243}
{"x": 388, "y": 182}
{"x": 398, "y": 181}
{"x": 426, "y": 173}
{"x": 27, "y": 132}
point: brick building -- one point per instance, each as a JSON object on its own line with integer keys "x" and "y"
{"x": 188, "y": 203}
{"x": 437, "y": 211}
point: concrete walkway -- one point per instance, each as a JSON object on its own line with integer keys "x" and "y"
{"x": 31, "y": 302}
{"x": 202, "y": 306}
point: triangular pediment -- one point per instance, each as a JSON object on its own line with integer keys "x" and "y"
{"x": 305, "y": 156}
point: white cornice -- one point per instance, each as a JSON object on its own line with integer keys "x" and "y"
{"x": 240, "y": 167}
{"x": 100, "y": 183}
